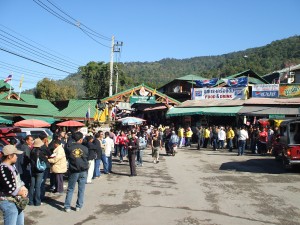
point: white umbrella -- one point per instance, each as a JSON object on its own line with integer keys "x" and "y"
{"x": 131, "y": 120}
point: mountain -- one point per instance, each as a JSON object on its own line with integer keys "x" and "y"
{"x": 263, "y": 60}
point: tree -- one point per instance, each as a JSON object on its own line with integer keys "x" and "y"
{"x": 54, "y": 91}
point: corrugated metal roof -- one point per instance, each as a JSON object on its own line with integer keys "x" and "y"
{"x": 78, "y": 109}
{"x": 211, "y": 111}
{"x": 28, "y": 105}
{"x": 190, "y": 77}
{"x": 267, "y": 110}
{"x": 212, "y": 102}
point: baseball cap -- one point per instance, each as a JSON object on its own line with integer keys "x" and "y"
{"x": 38, "y": 143}
{"x": 10, "y": 149}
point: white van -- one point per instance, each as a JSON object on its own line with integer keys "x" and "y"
{"x": 35, "y": 132}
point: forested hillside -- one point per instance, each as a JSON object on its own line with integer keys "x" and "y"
{"x": 262, "y": 60}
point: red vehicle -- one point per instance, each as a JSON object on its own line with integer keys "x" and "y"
{"x": 286, "y": 145}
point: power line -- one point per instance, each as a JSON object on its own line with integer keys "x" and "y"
{"x": 89, "y": 32}
{"x": 81, "y": 24}
{"x": 32, "y": 60}
{"x": 41, "y": 50}
{"x": 26, "y": 51}
{"x": 39, "y": 44}
{"x": 29, "y": 72}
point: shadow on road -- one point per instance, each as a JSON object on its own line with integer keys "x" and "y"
{"x": 264, "y": 165}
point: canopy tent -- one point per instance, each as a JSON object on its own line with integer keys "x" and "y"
{"x": 210, "y": 111}
{"x": 46, "y": 119}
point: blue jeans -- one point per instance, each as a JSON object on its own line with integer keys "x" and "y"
{"x": 45, "y": 177}
{"x": 109, "y": 163}
{"x": 242, "y": 144}
{"x": 139, "y": 157}
{"x": 221, "y": 144}
{"x": 229, "y": 144}
{"x": 35, "y": 189}
{"x": 105, "y": 163}
{"x": 214, "y": 144}
{"x": 97, "y": 172}
{"x": 122, "y": 152}
{"x": 11, "y": 214}
{"x": 80, "y": 178}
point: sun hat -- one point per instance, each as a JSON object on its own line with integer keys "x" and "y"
{"x": 10, "y": 149}
{"x": 38, "y": 143}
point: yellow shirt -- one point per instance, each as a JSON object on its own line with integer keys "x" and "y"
{"x": 206, "y": 133}
{"x": 180, "y": 132}
{"x": 189, "y": 134}
{"x": 230, "y": 134}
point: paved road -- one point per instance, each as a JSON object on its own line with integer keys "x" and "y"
{"x": 194, "y": 187}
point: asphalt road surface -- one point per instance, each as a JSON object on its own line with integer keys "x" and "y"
{"x": 194, "y": 187}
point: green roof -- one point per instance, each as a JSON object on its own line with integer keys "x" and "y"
{"x": 211, "y": 111}
{"x": 254, "y": 78}
{"x": 190, "y": 77}
{"x": 46, "y": 119}
{"x": 4, "y": 85}
{"x": 137, "y": 87}
{"x": 78, "y": 109}
{"x": 5, "y": 120}
{"x": 27, "y": 105}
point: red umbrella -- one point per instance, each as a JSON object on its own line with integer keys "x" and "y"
{"x": 32, "y": 123}
{"x": 71, "y": 123}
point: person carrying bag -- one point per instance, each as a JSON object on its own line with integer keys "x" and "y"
{"x": 13, "y": 193}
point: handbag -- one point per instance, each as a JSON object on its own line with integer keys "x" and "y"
{"x": 20, "y": 202}
{"x": 40, "y": 165}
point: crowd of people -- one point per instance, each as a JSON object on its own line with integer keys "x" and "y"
{"x": 79, "y": 157}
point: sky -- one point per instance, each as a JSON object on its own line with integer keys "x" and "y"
{"x": 150, "y": 30}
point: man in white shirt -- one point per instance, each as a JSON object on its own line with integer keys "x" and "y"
{"x": 109, "y": 147}
{"x": 221, "y": 137}
{"x": 243, "y": 136}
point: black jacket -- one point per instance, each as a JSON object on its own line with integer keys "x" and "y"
{"x": 92, "y": 150}
{"x": 34, "y": 154}
{"x": 77, "y": 155}
{"x": 98, "y": 148}
{"x": 134, "y": 142}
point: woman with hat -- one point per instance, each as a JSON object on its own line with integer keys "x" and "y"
{"x": 36, "y": 174}
{"x": 11, "y": 187}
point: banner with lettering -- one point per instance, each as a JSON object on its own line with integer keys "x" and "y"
{"x": 289, "y": 90}
{"x": 265, "y": 91}
{"x": 220, "y": 93}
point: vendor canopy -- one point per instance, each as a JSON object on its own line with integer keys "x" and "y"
{"x": 267, "y": 110}
{"x": 210, "y": 111}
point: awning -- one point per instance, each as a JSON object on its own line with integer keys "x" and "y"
{"x": 46, "y": 119}
{"x": 5, "y": 120}
{"x": 210, "y": 111}
{"x": 267, "y": 110}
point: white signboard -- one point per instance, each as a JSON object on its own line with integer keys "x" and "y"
{"x": 219, "y": 93}
{"x": 265, "y": 91}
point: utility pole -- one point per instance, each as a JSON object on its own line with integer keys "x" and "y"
{"x": 117, "y": 72}
{"x": 111, "y": 65}
{"x": 113, "y": 50}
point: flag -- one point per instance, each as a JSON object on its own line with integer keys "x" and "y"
{"x": 206, "y": 83}
{"x": 21, "y": 81}
{"x": 237, "y": 82}
{"x": 88, "y": 113}
{"x": 102, "y": 117}
{"x": 7, "y": 79}
{"x": 96, "y": 115}
{"x": 154, "y": 92}
{"x": 131, "y": 94}
{"x": 192, "y": 93}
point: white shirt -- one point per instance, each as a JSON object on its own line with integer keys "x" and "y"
{"x": 221, "y": 135}
{"x": 108, "y": 146}
{"x": 243, "y": 135}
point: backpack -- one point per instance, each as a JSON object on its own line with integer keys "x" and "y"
{"x": 174, "y": 139}
{"x": 142, "y": 143}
